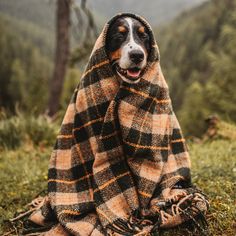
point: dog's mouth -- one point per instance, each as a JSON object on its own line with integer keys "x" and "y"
{"x": 130, "y": 73}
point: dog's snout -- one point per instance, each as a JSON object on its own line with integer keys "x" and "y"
{"x": 136, "y": 56}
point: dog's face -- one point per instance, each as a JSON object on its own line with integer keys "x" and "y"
{"x": 128, "y": 46}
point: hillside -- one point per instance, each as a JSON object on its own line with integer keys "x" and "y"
{"x": 42, "y": 12}
{"x": 198, "y": 52}
{"x": 25, "y": 54}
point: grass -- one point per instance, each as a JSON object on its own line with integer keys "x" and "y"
{"x": 23, "y": 174}
{"x": 214, "y": 171}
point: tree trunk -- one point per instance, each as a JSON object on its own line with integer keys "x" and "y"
{"x": 61, "y": 55}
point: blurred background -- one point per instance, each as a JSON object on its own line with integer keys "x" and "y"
{"x": 196, "y": 40}
{"x": 44, "y": 47}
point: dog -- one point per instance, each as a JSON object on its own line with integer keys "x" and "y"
{"x": 128, "y": 46}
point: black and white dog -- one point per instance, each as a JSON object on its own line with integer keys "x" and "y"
{"x": 128, "y": 46}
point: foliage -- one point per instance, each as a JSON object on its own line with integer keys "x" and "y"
{"x": 72, "y": 80}
{"x": 226, "y": 130}
{"x": 24, "y": 73}
{"x": 27, "y": 68}
{"x": 192, "y": 118}
{"x": 198, "y": 57}
{"x": 21, "y": 129}
{"x": 23, "y": 175}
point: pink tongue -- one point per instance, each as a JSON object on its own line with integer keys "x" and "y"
{"x": 133, "y": 73}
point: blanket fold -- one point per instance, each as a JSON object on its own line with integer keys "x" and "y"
{"x": 120, "y": 162}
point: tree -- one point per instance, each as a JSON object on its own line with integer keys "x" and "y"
{"x": 84, "y": 32}
{"x": 61, "y": 55}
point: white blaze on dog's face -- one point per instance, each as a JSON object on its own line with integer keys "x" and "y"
{"x": 128, "y": 46}
{"x": 131, "y": 47}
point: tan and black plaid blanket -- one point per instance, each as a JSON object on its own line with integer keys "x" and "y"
{"x": 120, "y": 165}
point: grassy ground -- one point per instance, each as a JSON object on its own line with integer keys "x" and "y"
{"x": 23, "y": 174}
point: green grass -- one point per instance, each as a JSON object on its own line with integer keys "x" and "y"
{"x": 214, "y": 171}
{"x": 23, "y": 174}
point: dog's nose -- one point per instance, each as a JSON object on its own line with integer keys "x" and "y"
{"x": 136, "y": 56}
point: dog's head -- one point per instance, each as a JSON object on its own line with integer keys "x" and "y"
{"x": 128, "y": 46}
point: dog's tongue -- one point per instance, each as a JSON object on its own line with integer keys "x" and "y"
{"x": 133, "y": 73}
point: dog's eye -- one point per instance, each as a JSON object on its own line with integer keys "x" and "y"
{"x": 143, "y": 35}
{"x": 119, "y": 36}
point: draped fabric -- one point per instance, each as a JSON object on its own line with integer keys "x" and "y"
{"x": 119, "y": 152}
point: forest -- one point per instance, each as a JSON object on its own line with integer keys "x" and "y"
{"x": 202, "y": 73}
{"x": 198, "y": 54}
{"x": 197, "y": 57}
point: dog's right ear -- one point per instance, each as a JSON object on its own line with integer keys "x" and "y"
{"x": 111, "y": 32}
{"x": 116, "y": 35}
{"x": 108, "y": 41}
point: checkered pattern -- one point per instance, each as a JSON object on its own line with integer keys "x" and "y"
{"x": 119, "y": 147}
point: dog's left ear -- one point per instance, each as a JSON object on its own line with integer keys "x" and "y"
{"x": 148, "y": 44}
{"x": 108, "y": 41}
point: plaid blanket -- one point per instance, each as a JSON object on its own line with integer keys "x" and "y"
{"x": 120, "y": 157}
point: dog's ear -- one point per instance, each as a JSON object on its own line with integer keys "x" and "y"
{"x": 144, "y": 34}
{"x": 108, "y": 41}
{"x": 115, "y": 35}
{"x": 147, "y": 44}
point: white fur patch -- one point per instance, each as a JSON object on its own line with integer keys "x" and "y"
{"x": 125, "y": 61}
